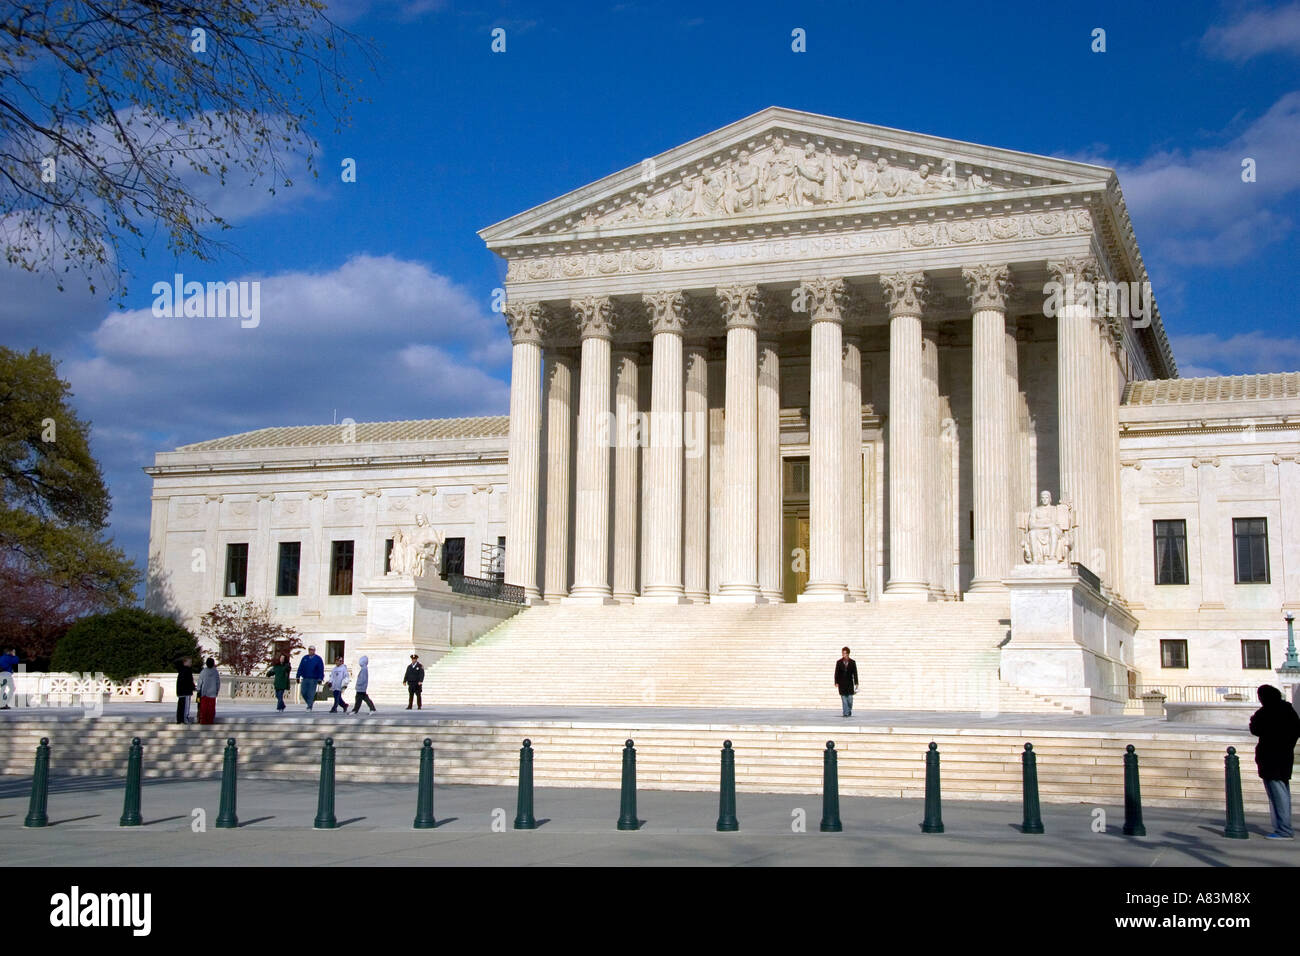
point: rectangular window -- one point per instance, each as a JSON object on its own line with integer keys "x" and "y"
{"x": 286, "y": 576}
{"x": 236, "y": 570}
{"x": 388, "y": 555}
{"x": 341, "y": 568}
{"x": 1250, "y": 549}
{"x": 453, "y": 556}
{"x": 1171, "y": 551}
{"x": 1255, "y": 656}
{"x": 1173, "y": 654}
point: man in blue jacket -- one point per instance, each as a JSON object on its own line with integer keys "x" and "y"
{"x": 311, "y": 671}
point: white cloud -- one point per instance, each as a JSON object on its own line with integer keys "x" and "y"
{"x": 1208, "y": 353}
{"x": 1256, "y": 32}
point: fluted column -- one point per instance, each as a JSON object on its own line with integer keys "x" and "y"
{"x": 559, "y": 453}
{"x": 695, "y": 470}
{"x": 989, "y": 287}
{"x": 526, "y": 321}
{"x": 1074, "y": 390}
{"x": 1016, "y": 493}
{"x": 740, "y": 306}
{"x": 663, "y": 578}
{"x": 906, "y": 293}
{"x": 627, "y": 453}
{"x": 826, "y": 300}
{"x": 591, "y": 583}
{"x": 770, "y": 513}
{"x": 932, "y": 489}
{"x": 854, "y": 572}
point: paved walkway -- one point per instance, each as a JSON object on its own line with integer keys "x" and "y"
{"x": 578, "y": 829}
{"x": 694, "y": 716}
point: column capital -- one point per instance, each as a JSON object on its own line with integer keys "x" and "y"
{"x": 826, "y": 298}
{"x": 906, "y": 292}
{"x": 1077, "y": 275}
{"x": 742, "y": 305}
{"x": 989, "y": 285}
{"x": 594, "y": 315}
{"x": 667, "y": 311}
{"x": 526, "y": 321}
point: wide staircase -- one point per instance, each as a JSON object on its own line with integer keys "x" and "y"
{"x": 935, "y": 656}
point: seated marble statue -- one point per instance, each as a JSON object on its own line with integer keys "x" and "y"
{"x": 1047, "y": 532}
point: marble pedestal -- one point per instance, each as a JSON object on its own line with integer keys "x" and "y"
{"x": 1068, "y": 640}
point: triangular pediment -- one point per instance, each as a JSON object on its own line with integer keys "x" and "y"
{"x": 785, "y": 163}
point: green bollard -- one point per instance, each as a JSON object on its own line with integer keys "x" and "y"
{"x": 131, "y": 804}
{"x": 524, "y": 819}
{"x": 1236, "y": 825}
{"x": 226, "y": 817}
{"x": 627, "y": 819}
{"x": 36, "y": 815}
{"x": 727, "y": 822}
{"x": 325, "y": 819}
{"x": 933, "y": 822}
{"x": 831, "y": 790}
{"x": 424, "y": 819}
{"x": 1033, "y": 815}
{"x": 1132, "y": 795}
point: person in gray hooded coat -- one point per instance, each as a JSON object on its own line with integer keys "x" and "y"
{"x": 363, "y": 682}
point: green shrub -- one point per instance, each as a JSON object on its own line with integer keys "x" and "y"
{"x": 124, "y": 644}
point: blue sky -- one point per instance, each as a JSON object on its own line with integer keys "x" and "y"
{"x": 376, "y": 294}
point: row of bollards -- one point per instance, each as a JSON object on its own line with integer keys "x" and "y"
{"x": 227, "y": 818}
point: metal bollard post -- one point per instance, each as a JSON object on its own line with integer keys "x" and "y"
{"x": 226, "y": 817}
{"x": 36, "y": 815}
{"x": 325, "y": 819}
{"x": 627, "y": 818}
{"x": 933, "y": 822}
{"x": 1033, "y": 822}
{"x": 424, "y": 819}
{"x": 1235, "y": 828}
{"x": 131, "y": 802}
{"x": 1132, "y": 795}
{"x": 524, "y": 819}
{"x": 727, "y": 821}
{"x": 830, "y": 790}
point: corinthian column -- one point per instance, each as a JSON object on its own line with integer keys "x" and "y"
{"x": 826, "y": 299}
{"x": 627, "y": 453}
{"x": 663, "y": 580}
{"x": 770, "y": 565}
{"x": 526, "y": 321}
{"x": 695, "y": 508}
{"x": 740, "y": 305}
{"x": 591, "y": 584}
{"x": 906, "y": 293}
{"x": 989, "y": 287}
{"x": 1074, "y": 389}
{"x": 559, "y": 453}
{"x": 853, "y": 504}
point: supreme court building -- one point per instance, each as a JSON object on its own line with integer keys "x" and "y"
{"x": 801, "y": 360}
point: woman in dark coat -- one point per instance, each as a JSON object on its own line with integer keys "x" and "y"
{"x": 280, "y": 671}
{"x": 1277, "y": 725}
{"x": 184, "y": 690}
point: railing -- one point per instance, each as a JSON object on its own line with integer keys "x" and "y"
{"x": 494, "y": 589}
{"x": 70, "y": 688}
{"x": 1185, "y": 693}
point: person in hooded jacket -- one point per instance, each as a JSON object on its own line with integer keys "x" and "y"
{"x": 363, "y": 682}
{"x": 184, "y": 690}
{"x": 1277, "y": 725}
{"x": 209, "y": 687}
{"x": 338, "y": 681}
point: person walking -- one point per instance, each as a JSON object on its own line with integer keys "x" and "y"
{"x": 184, "y": 690}
{"x": 280, "y": 671}
{"x": 846, "y": 680}
{"x": 363, "y": 682}
{"x": 338, "y": 681}
{"x": 311, "y": 671}
{"x": 8, "y": 683}
{"x": 1277, "y": 725}
{"x": 414, "y": 681}
{"x": 209, "y": 687}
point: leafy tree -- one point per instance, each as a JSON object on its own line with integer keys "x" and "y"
{"x": 55, "y": 561}
{"x": 245, "y": 636}
{"x": 116, "y": 118}
{"x": 124, "y": 644}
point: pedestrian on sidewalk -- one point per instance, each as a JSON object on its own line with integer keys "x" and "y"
{"x": 184, "y": 690}
{"x": 338, "y": 681}
{"x": 311, "y": 671}
{"x": 1277, "y": 725}
{"x": 363, "y": 682}
{"x": 209, "y": 687}
{"x": 280, "y": 671}
{"x": 414, "y": 681}
{"x": 8, "y": 683}
{"x": 846, "y": 680}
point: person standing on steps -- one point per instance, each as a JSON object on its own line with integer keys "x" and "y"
{"x": 1277, "y": 725}
{"x": 363, "y": 682}
{"x": 209, "y": 687}
{"x": 846, "y": 680}
{"x": 184, "y": 690}
{"x": 339, "y": 681}
{"x": 414, "y": 681}
{"x": 280, "y": 671}
{"x": 311, "y": 671}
